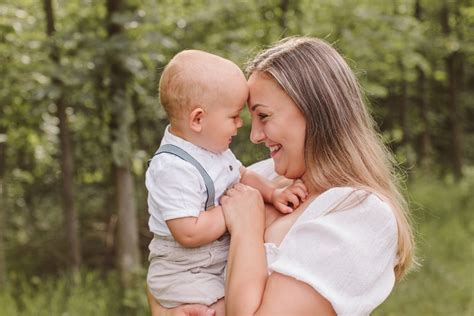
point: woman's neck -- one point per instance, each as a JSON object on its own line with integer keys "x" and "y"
{"x": 311, "y": 186}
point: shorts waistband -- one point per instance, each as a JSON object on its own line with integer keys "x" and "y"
{"x": 169, "y": 241}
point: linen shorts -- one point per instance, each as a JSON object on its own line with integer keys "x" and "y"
{"x": 179, "y": 275}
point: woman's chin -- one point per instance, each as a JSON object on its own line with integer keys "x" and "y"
{"x": 282, "y": 170}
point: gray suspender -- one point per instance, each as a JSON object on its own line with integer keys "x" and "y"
{"x": 175, "y": 150}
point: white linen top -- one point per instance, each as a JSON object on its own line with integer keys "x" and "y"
{"x": 348, "y": 256}
{"x": 343, "y": 245}
{"x": 176, "y": 188}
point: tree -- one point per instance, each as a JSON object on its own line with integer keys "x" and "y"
{"x": 424, "y": 148}
{"x": 67, "y": 164}
{"x": 454, "y": 67}
{"x": 3, "y": 267}
{"x": 121, "y": 118}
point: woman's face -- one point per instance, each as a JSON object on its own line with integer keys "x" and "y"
{"x": 278, "y": 123}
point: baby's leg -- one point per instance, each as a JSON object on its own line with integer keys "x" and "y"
{"x": 219, "y": 307}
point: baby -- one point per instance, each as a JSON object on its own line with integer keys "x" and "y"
{"x": 203, "y": 95}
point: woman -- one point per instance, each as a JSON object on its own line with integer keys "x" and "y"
{"x": 341, "y": 251}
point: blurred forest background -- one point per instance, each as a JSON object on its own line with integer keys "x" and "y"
{"x": 79, "y": 117}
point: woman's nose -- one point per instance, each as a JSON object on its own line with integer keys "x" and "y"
{"x": 256, "y": 134}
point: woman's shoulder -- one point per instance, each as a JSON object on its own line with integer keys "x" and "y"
{"x": 344, "y": 246}
{"x": 346, "y": 200}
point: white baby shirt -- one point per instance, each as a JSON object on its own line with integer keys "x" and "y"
{"x": 176, "y": 188}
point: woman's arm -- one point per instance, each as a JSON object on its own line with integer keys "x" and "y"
{"x": 183, "y": 310}
{"x": 248, "y": 289}
{"x": 285, "y": 295}
{"x": 246, "y": 266}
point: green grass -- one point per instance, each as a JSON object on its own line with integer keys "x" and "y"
{"x": 443, "y": 285}
{"x": 90, "y": 294}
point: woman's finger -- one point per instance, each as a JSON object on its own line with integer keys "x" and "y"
{"x": 239, "y": 186}
{"x": 197, "y": 310}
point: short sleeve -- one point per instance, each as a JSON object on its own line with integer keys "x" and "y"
{"x": 174, "y": 188}
{"x": 346, "y": 255}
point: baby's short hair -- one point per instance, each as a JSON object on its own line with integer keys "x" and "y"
{"x": 193, "y": 78}
{"x": 178, "y": 89}
{"x": 175, "y": 90}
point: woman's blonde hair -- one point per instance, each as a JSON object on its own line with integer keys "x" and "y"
{"x": 342, "y": 147}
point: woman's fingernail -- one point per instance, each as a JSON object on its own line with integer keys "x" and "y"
{"x": 211, "y": 312}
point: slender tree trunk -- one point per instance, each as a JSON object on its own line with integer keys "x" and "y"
{"x": 424, "y": 148}
{"x": 127, "y": 246}
{"x": 67, "y": 164}
{"x": 282, "y": 19}
{"x": 403, "y": 117}
{"x": 453, "y": 69}
{"x": 3, "y": 263}
{"x": 403, "y": 108}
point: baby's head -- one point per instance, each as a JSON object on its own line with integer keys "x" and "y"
{"x": 203, "y": 95}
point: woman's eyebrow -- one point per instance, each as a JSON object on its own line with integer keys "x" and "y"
{"x": 253, "y": 107}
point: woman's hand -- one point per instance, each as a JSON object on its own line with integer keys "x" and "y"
{"x": 183, "y": 310}
{"x": 192, "y": 310}
{"x": 243, "y": 209}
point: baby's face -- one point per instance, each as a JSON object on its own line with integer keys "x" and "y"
{"x": 222, "y": 118}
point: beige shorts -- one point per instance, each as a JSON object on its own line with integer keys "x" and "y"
{"x": 179, "y": 275}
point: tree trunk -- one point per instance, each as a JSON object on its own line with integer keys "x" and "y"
{"x": 424, "y": 148}
{"x": 403, "y": 109}
{"x": 128, "y": 248}
{"x": 3, "y": 264}
{"x": 67, "y": 164}
{"x": 128, "y": 245}
{"x": 284, "y": 4}
{"x": 403, "y": 118}
{"x": 453, "y": 68}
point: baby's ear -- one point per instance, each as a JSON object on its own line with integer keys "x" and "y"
{"x": 195, "y": 119}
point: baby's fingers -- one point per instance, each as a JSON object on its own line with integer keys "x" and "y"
{"x": 291, "y": 198}
{"x": 283, "y": 208}
{"x": 299, "y": 192}
{"x": 299, "y": 184}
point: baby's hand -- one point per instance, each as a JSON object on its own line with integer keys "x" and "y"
{"x": 287, "y": 199}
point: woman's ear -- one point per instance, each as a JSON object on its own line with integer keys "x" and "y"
{"x": 195, "y": 119}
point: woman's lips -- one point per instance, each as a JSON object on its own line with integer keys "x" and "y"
{"x": 274, "y": 150}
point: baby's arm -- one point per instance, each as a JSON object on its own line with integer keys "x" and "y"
{"x": 197, "y": 231}
{"x": 284, "y": 199}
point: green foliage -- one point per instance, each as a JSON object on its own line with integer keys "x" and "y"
{"x": 384, "y": 42}
{"x": 442, "y": 285}
{"x": 91, "y": 294}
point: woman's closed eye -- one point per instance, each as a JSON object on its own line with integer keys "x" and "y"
{"x": 262, "y": 116}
